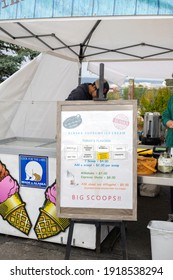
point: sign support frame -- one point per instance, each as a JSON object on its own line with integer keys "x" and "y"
{"x": 98, "y": 224}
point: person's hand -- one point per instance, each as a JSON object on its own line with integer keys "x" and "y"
{"x": 169, "y": 124}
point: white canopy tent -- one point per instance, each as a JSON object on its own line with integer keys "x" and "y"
{"x": 93, "y": 38}
{"x": 66, "y": 42}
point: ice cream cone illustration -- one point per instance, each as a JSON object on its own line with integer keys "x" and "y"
{"x": 48, "y": 224}
{"x": 12, "y": 208}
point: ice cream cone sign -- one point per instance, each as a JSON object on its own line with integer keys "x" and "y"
{"x": 48, "y": 224}
{"x": 12, "y": 207}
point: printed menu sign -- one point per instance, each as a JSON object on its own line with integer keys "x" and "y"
{"x": 97, "y": 159}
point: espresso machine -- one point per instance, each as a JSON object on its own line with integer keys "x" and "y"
{"x": 152, "y": 128}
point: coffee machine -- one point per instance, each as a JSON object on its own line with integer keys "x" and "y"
{"x": 152, "y": 127}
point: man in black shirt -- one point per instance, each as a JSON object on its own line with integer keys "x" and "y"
{"x": 87, "y": 91}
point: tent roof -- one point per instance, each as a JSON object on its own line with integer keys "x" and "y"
{"x": 95, "y": 39}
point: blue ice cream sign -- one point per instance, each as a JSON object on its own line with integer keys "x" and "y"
{"x": 33, "y": 171}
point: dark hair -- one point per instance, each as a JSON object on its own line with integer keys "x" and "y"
{"x": 105, "y": 86}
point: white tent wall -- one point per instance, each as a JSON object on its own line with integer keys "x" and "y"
{"x": 28, "y": 99}
{"x": 110, "y": 72}
{"x": 118, "y": 71}
{"x": 12, "y": 92}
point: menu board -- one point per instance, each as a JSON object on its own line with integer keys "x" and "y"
{"x": 96, "y": 160}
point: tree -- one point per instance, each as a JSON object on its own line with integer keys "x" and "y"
{"x": 154, "y": 100}
{"x": 139, "y": 91}
{"x": 12, "y": 57}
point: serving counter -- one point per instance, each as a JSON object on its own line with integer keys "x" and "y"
{"x": 162, "y": 179}
{"x": 28, "y": 194}
{"x": 158, "y": 178}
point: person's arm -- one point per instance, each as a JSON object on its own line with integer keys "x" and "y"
{"x": 167, "y": 115}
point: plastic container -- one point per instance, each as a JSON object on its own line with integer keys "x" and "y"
{"x": 165, "y": 163}
{"x": 161, "y": 233}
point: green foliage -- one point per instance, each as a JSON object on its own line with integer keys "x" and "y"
{"x": 12, "y": 57}
{"x": 125, "y": 93}
{"x": 138, "y": 92}
{"x": 154, "y": 100}
{"x": 113, "y": 95}
{"x": 150, "y": 100}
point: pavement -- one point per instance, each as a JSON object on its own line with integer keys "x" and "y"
{"x": 137, "y": 236}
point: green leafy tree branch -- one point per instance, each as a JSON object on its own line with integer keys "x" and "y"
{"x": 11, "y": 59}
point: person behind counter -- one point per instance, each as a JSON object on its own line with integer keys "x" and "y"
{"x": 167, "y": 120}
{"x": 88, "y": 91}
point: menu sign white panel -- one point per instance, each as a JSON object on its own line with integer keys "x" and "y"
{"x": 97, "y": 159}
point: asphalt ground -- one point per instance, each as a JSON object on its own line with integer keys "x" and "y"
{"x": 137, "y": 236}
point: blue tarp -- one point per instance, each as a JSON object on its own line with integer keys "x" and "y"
{"x": 23, "y": 9}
